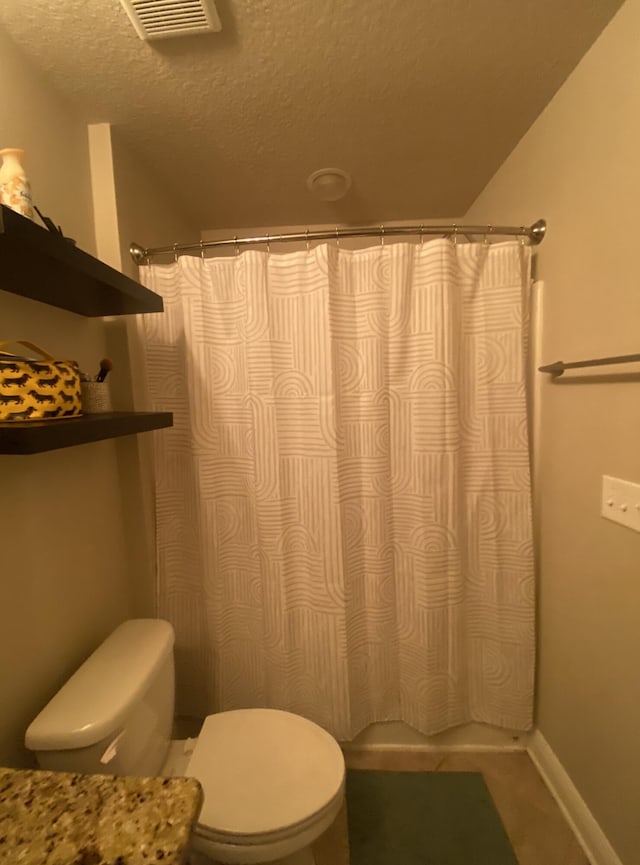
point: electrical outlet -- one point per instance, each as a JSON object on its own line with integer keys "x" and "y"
{"x": 621, "y": 502}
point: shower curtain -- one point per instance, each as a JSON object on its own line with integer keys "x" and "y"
{"x": 343, "y": 503}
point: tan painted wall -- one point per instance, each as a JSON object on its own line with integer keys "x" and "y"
{"x": 131, "y": 204}
{"x": 76, "y": 524}
{"x": 146, "y": 213}
{"x": 579, "y": 167}
{"x": 63, "y": 581}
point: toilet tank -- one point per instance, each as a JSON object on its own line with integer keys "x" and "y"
{"x": 114, "y": 715}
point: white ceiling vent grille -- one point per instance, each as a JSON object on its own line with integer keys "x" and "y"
{"x": 160, "y": 19}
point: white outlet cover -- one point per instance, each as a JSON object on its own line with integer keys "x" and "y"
{"x": 621, "y": 502}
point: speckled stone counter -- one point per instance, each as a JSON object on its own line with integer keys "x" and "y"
{"x": 55, "y": 818}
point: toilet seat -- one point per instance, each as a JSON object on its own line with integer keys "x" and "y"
{"x": 266, "y": 775}
{"x": 209, "y": 834}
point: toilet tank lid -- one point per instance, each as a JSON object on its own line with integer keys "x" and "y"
{"x": 94, "y": 701}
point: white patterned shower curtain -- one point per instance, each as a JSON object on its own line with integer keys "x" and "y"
{"x": 343, "y": 503}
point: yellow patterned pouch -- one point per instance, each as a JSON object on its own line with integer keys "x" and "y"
{"x": 42, "y": 389}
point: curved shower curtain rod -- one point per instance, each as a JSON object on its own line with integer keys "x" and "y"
{"x": 534, "y": 233}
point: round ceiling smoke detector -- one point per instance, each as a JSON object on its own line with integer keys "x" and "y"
{"x": 329, "y": 184}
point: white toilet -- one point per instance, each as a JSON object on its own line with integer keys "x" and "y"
{"x": 272, "y": 781}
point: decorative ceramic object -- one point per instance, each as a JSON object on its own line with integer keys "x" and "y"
{"x": 15, "y": 191}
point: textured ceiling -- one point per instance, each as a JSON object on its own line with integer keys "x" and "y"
{"x": 420, "y": 100}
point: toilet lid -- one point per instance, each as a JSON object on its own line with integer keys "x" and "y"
{"x": 263, "y": 770}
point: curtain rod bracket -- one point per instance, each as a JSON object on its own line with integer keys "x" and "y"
{"x": 138, "y": 253}
{"x": 538, "y": 231}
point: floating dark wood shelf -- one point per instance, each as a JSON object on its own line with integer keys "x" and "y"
{"x": 32, "y": 437}
{"x": 42, "y": 265}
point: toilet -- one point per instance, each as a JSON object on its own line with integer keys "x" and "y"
{"x": 272, "y": 781}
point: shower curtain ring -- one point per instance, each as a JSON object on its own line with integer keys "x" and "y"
{"x": 268, "y": 244}
{"x": 337, "y": 238}
{"x": 523, "y": 235}
{"x": 486, "y": 237}
{"x": 202, "y": 250}
{"x": 235, "y": 243}
{"x": 381, "y": 235}
{"x": 455, "y": 234}
{"x": 175, "y": 252}
{"x": 308, "y": 244}
{"x": 421, "y": 234}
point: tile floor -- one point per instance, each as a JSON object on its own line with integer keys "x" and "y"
{"x": 538, "y": 831}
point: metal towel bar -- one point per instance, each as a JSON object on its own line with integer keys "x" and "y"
{"x": 559, "y": 366}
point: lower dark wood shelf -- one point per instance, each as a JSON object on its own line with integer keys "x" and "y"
{"x": 36, "y": 436}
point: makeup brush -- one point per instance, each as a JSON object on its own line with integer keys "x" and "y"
{"x": 106, "y": 365}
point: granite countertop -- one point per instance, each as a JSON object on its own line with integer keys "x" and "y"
{"x": 57, "y": 818}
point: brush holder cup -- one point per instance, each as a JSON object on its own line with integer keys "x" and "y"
{"x": 96, "y": 397}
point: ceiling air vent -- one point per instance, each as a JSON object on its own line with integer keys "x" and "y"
{"x": 160, "y": 19}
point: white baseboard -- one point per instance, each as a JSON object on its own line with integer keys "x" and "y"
{"x": 428, "y": 747}
{"x": 396, "y": 735}
{"x": 586, "y": 828}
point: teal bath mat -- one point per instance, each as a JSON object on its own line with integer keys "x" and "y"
{"x": 424, "y": 818}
